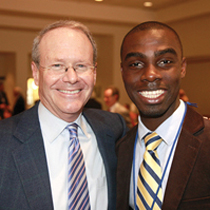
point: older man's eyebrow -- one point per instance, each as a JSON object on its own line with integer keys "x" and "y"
{"x": 134, "y": 54}
{"x": 162, "y": 52}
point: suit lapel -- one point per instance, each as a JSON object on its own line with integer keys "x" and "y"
{"x": 103, "y": 134}
{"x": 184, "y": 159}
{"x": 104, "y": 138}
{"x": 106, "y": 144}
{"x": 31, "y": 162}
{"x": 124, "y": 167}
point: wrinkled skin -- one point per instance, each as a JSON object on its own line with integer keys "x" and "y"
{"x": 64, "y": 95}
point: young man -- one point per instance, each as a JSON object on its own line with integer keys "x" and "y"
{"x": 39, "y": 146}
{"x": 174, "y": 174}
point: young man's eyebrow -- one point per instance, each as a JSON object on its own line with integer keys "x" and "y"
{"x": 162, "y": 52}
{"x": 134, "y": 54}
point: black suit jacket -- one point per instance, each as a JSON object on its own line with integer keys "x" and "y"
{"x": 19, "y": 105}
{"x": 188, "y": 186}
{"x": 24, "y": 178}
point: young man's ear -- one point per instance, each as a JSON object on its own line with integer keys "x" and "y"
{"x": 184, "y": 66}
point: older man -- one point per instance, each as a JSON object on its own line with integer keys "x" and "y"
{"x": 55, "y": 155}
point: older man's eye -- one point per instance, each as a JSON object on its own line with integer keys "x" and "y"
{"x": 81, "y": 66}
{"x": 57, "y": 67}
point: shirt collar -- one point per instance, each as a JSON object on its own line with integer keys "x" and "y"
{"x": 82, "y": 123}
{"x": 53, "y": 126}
{"x": 169, "y": 128}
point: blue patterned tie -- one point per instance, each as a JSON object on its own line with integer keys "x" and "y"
{"x": 78, "y": 195}
{"x": 149, "y": 191}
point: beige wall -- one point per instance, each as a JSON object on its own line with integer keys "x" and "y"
{"x": 195, "y": 36}
{"x": 20, "y": 20}
{"x": 15, "y": 46}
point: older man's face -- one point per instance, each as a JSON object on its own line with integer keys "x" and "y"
{"x": 64, "y": 94}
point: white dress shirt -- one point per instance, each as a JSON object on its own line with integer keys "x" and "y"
{"x": 56, "y": 141}
{"x": 167, "y": 131}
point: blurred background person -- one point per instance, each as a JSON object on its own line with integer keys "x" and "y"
{"x": 134, "y": 113}
{"x": 111, "y": 99}
{"x": 19, "y": 105}
{"x": 183, "y": 96}
{"x": 5, "y": 111}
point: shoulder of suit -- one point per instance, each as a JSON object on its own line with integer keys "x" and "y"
{"x": 90, "y": 111}
{"x": 109, "y": 118}
{"x": 9, "y": 124}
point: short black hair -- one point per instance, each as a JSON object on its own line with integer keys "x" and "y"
{"x": 152, "y": 25}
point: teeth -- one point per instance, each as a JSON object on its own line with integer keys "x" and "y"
{"x": 70, "y": 92}
{"x": 151, "y": 94}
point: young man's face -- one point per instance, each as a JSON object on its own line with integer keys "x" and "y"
{"x": 152, "y": 67}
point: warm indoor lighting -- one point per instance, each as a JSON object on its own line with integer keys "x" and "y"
{"x": 148, "y": 4}
{"x": 34, "y": 86}
{"x": 32, "y": 93}
{"x": 98, "y": 0}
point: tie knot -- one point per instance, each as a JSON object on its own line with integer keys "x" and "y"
{"x": 152, "y": 141}
{"x": 72, "y": 130}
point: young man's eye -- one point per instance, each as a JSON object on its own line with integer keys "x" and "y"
{"x": 164, "y": 62}
{"x": 136, "y": 65}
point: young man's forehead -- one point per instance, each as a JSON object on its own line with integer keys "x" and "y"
{"x": 165, "y": 36}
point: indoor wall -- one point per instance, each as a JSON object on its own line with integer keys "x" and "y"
{"x": 195, "y": 36}
{"x": 20, "y": 21}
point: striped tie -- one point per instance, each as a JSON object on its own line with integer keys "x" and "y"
{"x": 78, "y": 195}
{"x": 149, "y": 176}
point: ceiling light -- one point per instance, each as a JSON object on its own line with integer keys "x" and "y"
{"x": 148, "y": 4}
{"x": 98, "y": 0}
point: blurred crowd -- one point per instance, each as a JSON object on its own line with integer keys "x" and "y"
{"x": 6, "y": 110}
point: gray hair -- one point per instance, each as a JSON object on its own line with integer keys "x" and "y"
{"x": 58, "y": 24}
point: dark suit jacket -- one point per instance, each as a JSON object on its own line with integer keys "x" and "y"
{"x": 24, "y": 178}
{"x": 93, "y": 103}
{"x": 19, "y": 105}
{"x": 188, "y": 186}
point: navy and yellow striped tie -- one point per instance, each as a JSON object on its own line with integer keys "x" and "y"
{"x": 78, "y": 193}
{"x": 149, "y": 194}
